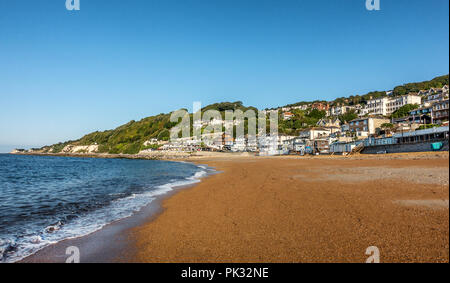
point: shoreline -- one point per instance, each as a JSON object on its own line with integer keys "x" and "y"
{"x": 110, "y": 242}
{"x": 195, "y": 156}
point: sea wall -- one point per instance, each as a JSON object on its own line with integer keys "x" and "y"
{"x": 398, "y": 148}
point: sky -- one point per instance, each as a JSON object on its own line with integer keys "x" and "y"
{"x": 64, "y": 74}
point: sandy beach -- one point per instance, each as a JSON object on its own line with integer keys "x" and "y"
{"x": 287, "y": 209}
{"x": 292, "y": 209}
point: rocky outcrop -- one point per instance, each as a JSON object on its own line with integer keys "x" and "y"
{"x": 80, "y": 149}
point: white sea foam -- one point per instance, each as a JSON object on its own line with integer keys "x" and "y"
{"x": 13, "y": 250}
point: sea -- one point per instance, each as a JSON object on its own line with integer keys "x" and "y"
{"x": 46, "y": 199}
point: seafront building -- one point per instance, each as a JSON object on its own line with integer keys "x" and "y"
{"x": 434, "y": 95}
{"x": 387, "y": 105}
{"x": 440, "y": 111}
{"x": 422, "y": 115}
{"x": 314, "y": 133}
{"x": 376, "y": 107}
{"x": 367, "y": 125}
{"x": 413, "y": 141}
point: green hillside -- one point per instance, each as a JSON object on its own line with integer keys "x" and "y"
{"x": 437, "y": 82}
{"x": 129, "y": 138}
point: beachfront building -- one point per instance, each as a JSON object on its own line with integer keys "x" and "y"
{"x": 400, "y": 142}
{"x": 406, "y": 124}
{"x": 298, "y": 145}
{"x": 434, "y": 95}
{"x": 321, "y": 145}
{"x": 270, "y": 145}
{"x": 427, "y": 135}
{"x": 440, "y": 112}
{"x": 387, "y": 105}
{"x": 367, "y": 126}
{"x": 286, "y": 143}
{"x": 240, "y": 144}
{"x": 361, "y": 135}
{"x": 395, "y": 103}
{"x": 376, "y": 106}
{"x": 345, "y": 128}
{"x": 342, "y": 147}
{"x": 227, "y": 141}
{"x": 314, "y": 133}
{"x": 422, "y": 115}
{"x": 434, "y": 98}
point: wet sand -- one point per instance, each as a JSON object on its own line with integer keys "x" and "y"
{"x": 110, "y": 244}
{"x": 291, "y": 209}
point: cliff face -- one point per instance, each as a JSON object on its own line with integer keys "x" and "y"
{"x": 80, "y": 149}
{"x": 69, "y": 149}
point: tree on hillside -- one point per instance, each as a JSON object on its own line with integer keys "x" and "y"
{"x": 387, "y": 127}
{"x": 404, "y": 110}
{"x": 437, "y": 82}
{"x": 317, "y": 114}
{"x": 350, "y": 115}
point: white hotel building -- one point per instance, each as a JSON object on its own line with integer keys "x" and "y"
{"x": 387, "y": 105}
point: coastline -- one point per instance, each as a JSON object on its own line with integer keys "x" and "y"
{"x": 158, "y": 234}
{"x": 110, "y": 243}
{"x": 194, "y": 157}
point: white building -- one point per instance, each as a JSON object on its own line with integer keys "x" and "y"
{"x": 385, "y": 105}
{"x": 340, "y": 110}
{"x": 435, "y": 95}
{"x": 302, "y": 107}
{"x": 376, "y": 106}
{"x": 369, "y": 125}
{"x": 288, "y": 115}
{"x": 396, "y": 102}
{"x": 314, "y": 133}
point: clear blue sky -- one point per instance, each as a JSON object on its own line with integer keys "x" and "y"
{"x": 64, "y": 74}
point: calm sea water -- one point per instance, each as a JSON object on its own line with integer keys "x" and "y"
{"x": 44, "y": 200}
